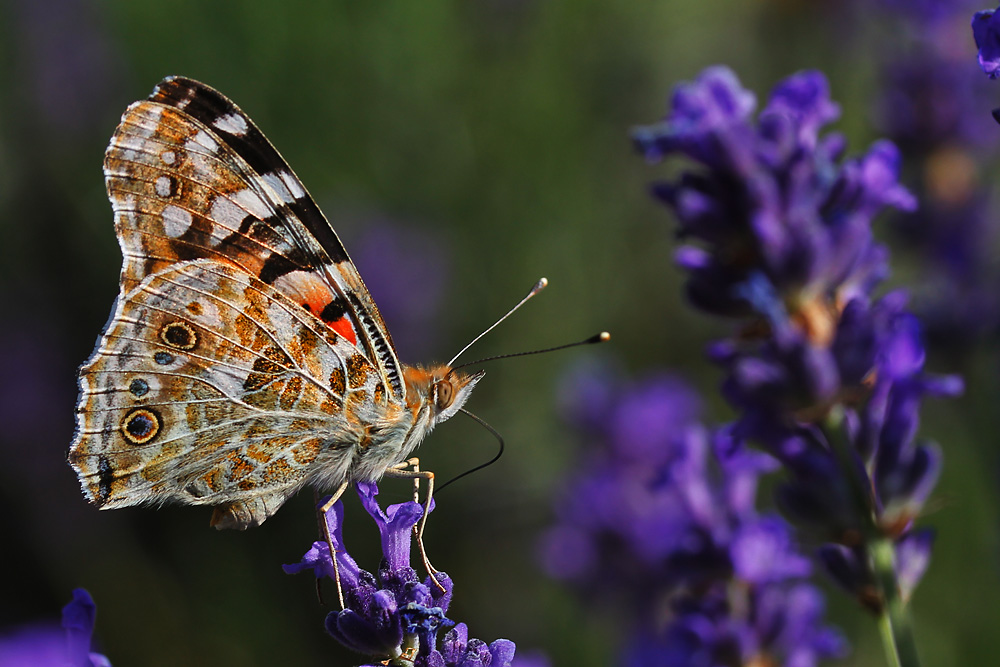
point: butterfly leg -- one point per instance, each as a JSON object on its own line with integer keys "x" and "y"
{"x": 410, "y": 469}
{"x": 327, "y": 506}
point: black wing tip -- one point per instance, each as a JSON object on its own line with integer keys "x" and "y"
{"x": 168, "y": 82}
{"x": 177, "y": 90}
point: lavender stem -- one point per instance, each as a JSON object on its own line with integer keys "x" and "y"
{"x": 894, "y": 616}
{"x": 894, "y": 621}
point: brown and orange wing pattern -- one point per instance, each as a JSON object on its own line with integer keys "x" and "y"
{"x": 191, "y": 177}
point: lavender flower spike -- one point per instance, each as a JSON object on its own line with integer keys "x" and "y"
{"x": 662, "y": 514}
{"x": 986, "y": 31}
{"x": 827, "y": 377}
{"x": 391, "y": 615}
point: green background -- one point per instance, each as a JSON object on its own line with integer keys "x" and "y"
{"x": 499, "y": 131}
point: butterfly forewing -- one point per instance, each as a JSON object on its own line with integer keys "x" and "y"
{"x": 191, "y": 176}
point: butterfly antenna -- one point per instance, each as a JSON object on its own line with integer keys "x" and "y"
{"x": 602, "y": 337}
{"x": 481, "y": 465}
{"x": 539, "y": 286}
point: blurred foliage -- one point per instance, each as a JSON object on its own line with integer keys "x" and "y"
{"x": 500, "y": 128}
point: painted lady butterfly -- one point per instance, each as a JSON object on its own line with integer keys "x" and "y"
{"x": 244, "y": 358}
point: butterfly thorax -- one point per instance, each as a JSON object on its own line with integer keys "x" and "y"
{"x": 433, "y": 394}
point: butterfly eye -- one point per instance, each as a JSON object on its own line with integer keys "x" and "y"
{"x": 445, "y": 394}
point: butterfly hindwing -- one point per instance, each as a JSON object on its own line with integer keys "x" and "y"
{"x": 211, "y": 387}
{"x": 190, "y": 176}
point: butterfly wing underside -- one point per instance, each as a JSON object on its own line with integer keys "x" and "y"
{"x": 245, "y": 356}
{"x": 210, "y": 387}
{"x": 190, "y": 176}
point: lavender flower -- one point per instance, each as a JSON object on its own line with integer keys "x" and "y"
{"x": 397, "y": 262}
{"x": 773, "y": 201}
{"x": 933, "y": 105}
{"x": 49, "y": 646}
{"x": 662, "y": 513}
{"x": 828, "y": 377}
{"x": 392, "y": 615}
{"x": 986, "y": 31}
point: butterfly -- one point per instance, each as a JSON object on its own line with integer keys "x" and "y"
{"x": 244, "y": 358}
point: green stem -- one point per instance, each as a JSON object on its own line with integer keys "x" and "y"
{"x": 894, "y": 621}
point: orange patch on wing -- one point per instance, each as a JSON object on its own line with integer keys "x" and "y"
{"x": 309, "y": 289}
{"x": 239, "y": 467}
{"x": 343, "y": 327}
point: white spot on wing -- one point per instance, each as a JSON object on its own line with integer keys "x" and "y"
{"x": 205, "y": 140}
{"x": 168, "y": 157}
{"x": 176, "y": 221}
{"x": 152, "y": 113}
{"x": 130, "y": 145}
{"x": 293, "y": 185}
{"x": 162, "y": 186}
{"x": 226, "y": 213}
{"x": 250, "y": 201}
{"x": 275, "y": 183}
{"x": 232, "y": 123}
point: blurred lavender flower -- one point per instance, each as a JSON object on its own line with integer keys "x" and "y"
{"x": 392, "y": 615}
{"x": 48, "y": 646}
{"x": 68, "y": 62}
{"x": 931, "y": 101}
{"x": 986, "y": 31}
{"x": 828, "y": 378}
{"x": 662, "y": 513}
{"x": 531, "y": 659}
{"x": 398, "y": 262}
{"x": 929, "y": 11}
{"x": 934, "y": 107}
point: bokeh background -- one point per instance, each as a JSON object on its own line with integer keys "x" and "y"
{"x": 462, "y": 150}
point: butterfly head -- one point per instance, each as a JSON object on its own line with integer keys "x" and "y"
{"x": 444, "y": 390}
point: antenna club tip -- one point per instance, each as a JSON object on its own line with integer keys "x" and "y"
{"x": 541, "y": 284}
{"x": 604, "y": 337}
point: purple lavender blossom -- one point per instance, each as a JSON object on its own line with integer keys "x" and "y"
{"x": 986, "y": 31}
{"x": 531, "y": 659}
{"x": 50, "y": 646}
{"x": 787, "y": 629}
{"x": 392, "y": 614}
{"x": 772, "y": 200}
{"x": 828, "y": 377}
{"x": 458, "y": 650}
{"x": 931, "y": 101}
{"x": 662, "y": 513}
{"x": 933, "y": 105}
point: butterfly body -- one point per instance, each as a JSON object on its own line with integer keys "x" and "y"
{"x": 244, "y": 358}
